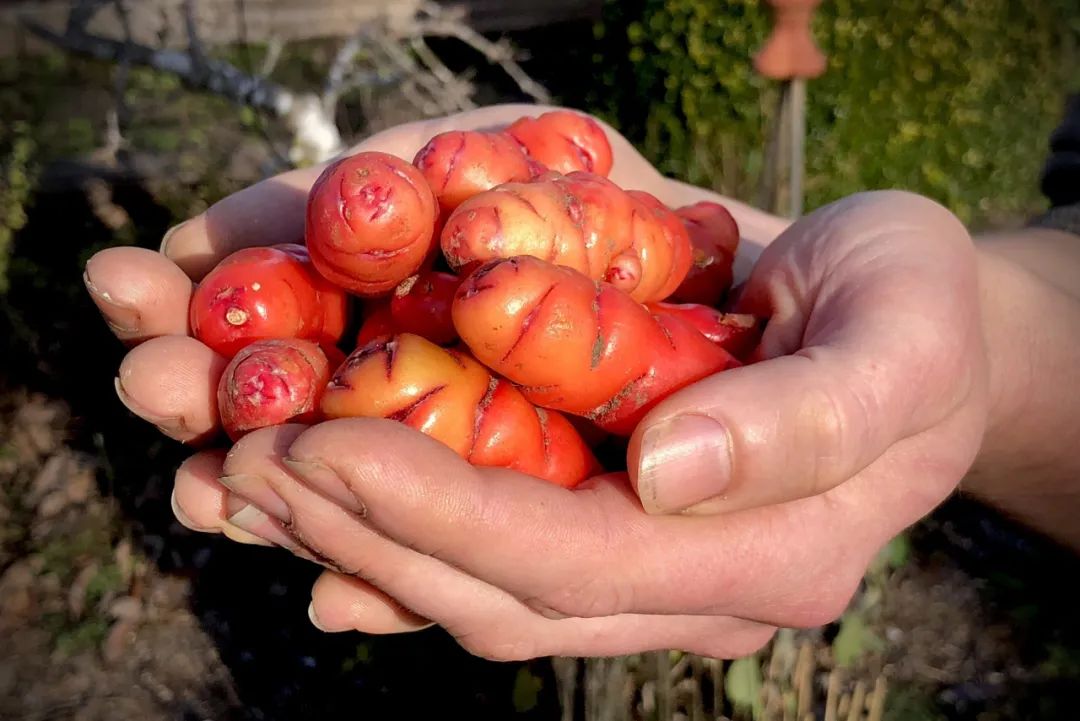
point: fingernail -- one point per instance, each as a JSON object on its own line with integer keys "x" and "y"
{"x": 172, "y": 426}
{"x": 124, "y": 320}
{"x": 185, "y": 520}
{"x": 256, "y": 490}
{"x": 315, "y": 619}
{"x": 256, "y": 524}
{"x": 684, "y": 460}
{"x": 322, "y": 478}
{"x": 168, "y": 236}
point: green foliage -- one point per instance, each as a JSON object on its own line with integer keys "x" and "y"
{"x": 527, "y": 688}
{"x": 951, "y": 99}
{"x": 16, "y": 185}
{"x": 743, "y": 683}
{"x": 854, "y": 639}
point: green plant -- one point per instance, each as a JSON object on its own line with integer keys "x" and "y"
{"x": 17, "y": 173}
{"x": 952, "y": 99}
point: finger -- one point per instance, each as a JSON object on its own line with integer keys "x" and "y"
{"x": 255, "y": 458}
{"x": 486, "y": 620}
{"x": 345, "y": 603}
{"x": 140, "y": 293}
{"x": 588, "y": 552}
{"x": 200, "y": 503}
{"x": 171, "y": 381}
{"x": 272, "y": 211}
{"x": 883, "y": 355}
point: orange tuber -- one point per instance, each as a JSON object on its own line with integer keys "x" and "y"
{"x": 448, "y": 395}
{"x": 578, "y": 345}
{"x": 581, "y": 220}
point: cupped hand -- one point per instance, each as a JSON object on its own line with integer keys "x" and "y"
{"x": 755, "y": 498}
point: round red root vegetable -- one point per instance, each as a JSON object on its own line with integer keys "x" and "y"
{"x": 269, "y": 292}
{"x": 714, "y": 238}
{"x": 737, "y": 333}
{"x": 564, "y": 141}
{"x": 461, "y": 163}
{"x": 421, "y": 305}
{"x": 380, "y": 322}
{"x": 370, "y": 222}
{"x": 271, "y": 382}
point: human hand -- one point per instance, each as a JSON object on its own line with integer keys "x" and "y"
{"x": 827, "y": 283}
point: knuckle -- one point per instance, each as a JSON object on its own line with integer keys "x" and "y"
{"x": 591, "y": 598}
{"x": 493, "y": 646}
{"x": 823, "y": 608}
{"x": 732, "y": 646}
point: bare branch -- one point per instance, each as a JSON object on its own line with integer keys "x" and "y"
{"x": 441, "y": 22}
{"x": 118, "y": 117}
{"x": 273, "y": 54}
{"x": 82, "y": 13}
{"x": 221, "y": 78}
{"x": 200, "y": 64}
{"x": 448, "y": 98}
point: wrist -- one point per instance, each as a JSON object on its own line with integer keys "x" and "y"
{"x": 1027, "y": 465}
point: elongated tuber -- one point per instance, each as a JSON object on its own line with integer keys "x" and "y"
{"x": 577, "y": 345}
{"x": 714, "y": 239}
{"x": 737, "y": 333}
{"x": 448, "y": 395}
{"x": 370, "y": 222}
{"x": 564, "y": 141}
{"x": 269, "y": 292}
{"x": 582, "y": 221}
{"x": 271, "y": 382}
{"x": 458, "y": 164}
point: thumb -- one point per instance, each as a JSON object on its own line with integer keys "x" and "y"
{"x": 883, "y": 346}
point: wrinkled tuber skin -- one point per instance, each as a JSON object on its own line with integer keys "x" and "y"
{"x": 714, "y": 240}
{"x": 581, "y": 220}
{"x": 737, "y": 333}
{"x": 678, "y": 240}
{"x": 271, "y": 382}
{"x": 461, "y": 163}
{"x": 564, "y": 141}
{"x": 370, "y": 222}
{"x": 577, "y": 345}
{"x": 266, "y": 292}
{"x": 449, "y": 396}
{"x": 421, "y": 305}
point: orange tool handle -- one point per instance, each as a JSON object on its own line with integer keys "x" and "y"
{"x": 790, "y": 51}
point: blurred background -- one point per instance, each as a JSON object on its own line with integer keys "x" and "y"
{"x": 119, "y": 118}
